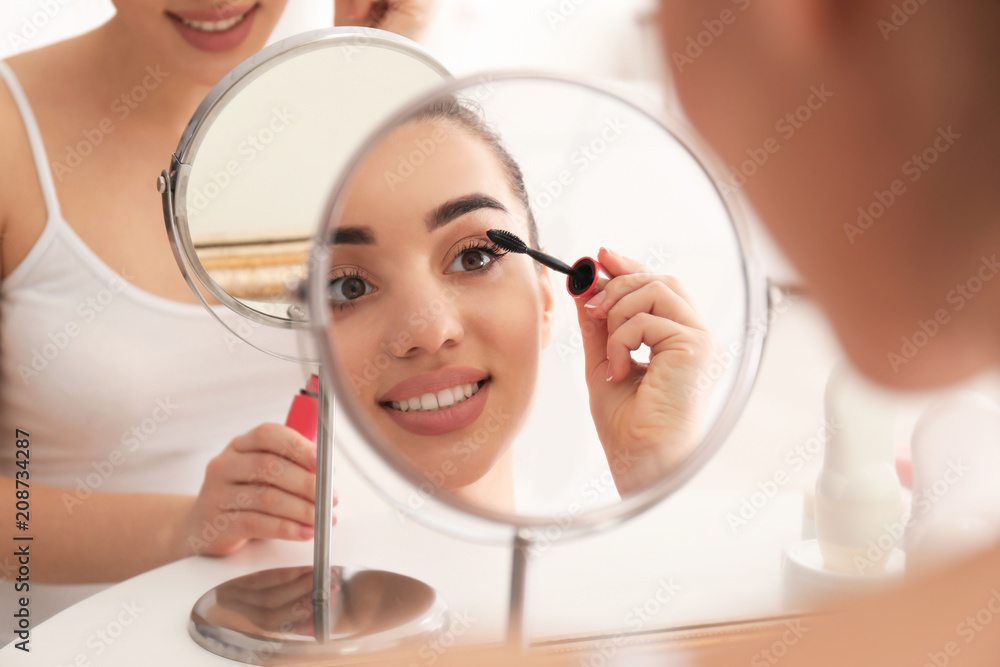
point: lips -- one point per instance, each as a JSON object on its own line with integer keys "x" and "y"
{"x": 439, "y": 402}
{"x": 215, "y": 30}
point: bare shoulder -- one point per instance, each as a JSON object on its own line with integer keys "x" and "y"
{"x": 22, "y": 204}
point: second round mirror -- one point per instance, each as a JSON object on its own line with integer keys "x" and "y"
{"x": 477, "y": 373}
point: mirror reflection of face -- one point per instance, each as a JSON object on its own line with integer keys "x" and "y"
{"x": 437, "y": 331}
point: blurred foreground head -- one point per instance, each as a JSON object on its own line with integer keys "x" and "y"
{"x": 867, "y": 135}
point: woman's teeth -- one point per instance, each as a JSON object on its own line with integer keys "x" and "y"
{"x": 445, "y": 398}
{"x": 214, "y": 26}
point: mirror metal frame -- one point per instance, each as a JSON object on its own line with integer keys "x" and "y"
{"x": 757, "y": 304}
{"x": 173, "y": 186}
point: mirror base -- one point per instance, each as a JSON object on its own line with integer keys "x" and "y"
{"x": 270, "y": 617}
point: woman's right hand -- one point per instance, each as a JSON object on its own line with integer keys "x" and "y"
{"x": 262, "y": 486}
{"x": 409, "y": 18}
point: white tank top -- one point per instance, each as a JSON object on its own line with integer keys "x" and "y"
{"x": 110, "y": 379}
{"x": 118, "y": 389}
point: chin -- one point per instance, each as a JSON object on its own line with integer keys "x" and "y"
{"x": 915, "y": 360}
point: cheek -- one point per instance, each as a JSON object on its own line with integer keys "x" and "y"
{"x": 359, "y": 358}
{"x": 509, "y": 326}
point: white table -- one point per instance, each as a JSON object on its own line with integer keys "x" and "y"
{"x": 600, "y": 583}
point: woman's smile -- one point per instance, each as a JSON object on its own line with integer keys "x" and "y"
{"x": 445, "y": 398}
{"x": 439, "y": 402}
{"x": 417, "y": 292}
{"x": 219, "y": 29}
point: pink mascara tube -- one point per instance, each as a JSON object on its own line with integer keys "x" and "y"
{"x": 304, "y": 413}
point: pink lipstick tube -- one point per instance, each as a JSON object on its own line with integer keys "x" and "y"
{"x": 304, "y": 413}
{"x": 588, "y": 278}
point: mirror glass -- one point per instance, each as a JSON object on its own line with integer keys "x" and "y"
{"x": 471, "y": 378}
{"x": 254, "y": 167}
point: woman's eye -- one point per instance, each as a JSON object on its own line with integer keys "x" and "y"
{"x": 473, "y": 259}
{"x": 348, "y": 288}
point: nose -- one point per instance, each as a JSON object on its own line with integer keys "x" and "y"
{"x": 428, "y": 320}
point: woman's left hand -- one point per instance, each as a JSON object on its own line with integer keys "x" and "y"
{"x": 648, "y": 416}
{"x": 409, "y": 18}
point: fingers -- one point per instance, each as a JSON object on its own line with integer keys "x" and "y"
{"x": 264, "y": 484}
{"x": 619, "y": 265}
{"x": 282, "y": 606}
{"x": 656, "y": 332}
{"x": 263, "y": 470}
{"x": 641, "y": 308}
{"x": 265, "y": 579}
{"x": 274, "y": 502}
{"x": 631, "y": 291}
{"x": 281, "y": 441}
{"x": 660, "y": 295}
{"x": 644, "y": 293}
{"x": 346, "y": 12}
{"x": 292, "y": 584}
{"x": 594, "y": 333}
{"x": 410, "y": 18}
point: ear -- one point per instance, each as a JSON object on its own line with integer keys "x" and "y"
{"x": 548, "y": 307}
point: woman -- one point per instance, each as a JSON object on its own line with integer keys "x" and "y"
{"x": 440, "y": 332}
{"x": 886, "y": 201}
{"x": 123, "y": 386}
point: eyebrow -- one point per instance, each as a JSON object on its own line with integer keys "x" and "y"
{"x": 440, "y": 216}
{"x": 456, "y": 208}
{"x": 353, "y": 236}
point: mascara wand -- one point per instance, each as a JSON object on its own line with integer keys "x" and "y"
{"x": 586, "y": 277}
{"x": 513, "y": 243}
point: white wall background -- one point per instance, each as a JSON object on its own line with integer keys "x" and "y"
{"x": 601, "y": 37}
{"x": 608, "y": 39}
{"x": 29, "y": 24}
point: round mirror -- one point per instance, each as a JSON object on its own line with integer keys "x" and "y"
{"x": 473, "y": 372}
{"x": 253, "y": 169}
{"x": 241, "y": 198}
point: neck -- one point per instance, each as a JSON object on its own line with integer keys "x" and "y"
{"x": 135, "y": 81}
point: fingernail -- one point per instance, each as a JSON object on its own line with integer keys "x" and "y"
{"x": 597, "y": 299}
{"x": 305, "y": 532}
{"x": 610, "y": 252}
{"x": 610, "y": 374}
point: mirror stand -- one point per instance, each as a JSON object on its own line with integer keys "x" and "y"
{"x": 265, "y": 618}
{"x": 322, "y": 579}
{"x": 302, "y": 616}
{"x": 517, "y": 617}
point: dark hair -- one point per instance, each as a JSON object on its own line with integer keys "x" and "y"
{"x": 462, "y": 113}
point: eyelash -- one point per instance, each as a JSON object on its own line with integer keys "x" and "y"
{"x": 494, "y": 251}
{"x": 347, "y": 274}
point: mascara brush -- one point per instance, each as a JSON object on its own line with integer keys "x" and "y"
{"x": 585, "y": 278}
{"x": 513, "y": 243}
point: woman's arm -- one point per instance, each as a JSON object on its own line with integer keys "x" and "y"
{"x": 107, "y": 537}
{"x": 261, "y": 486}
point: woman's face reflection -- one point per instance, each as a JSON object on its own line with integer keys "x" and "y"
{"x": 438, "y": 332}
